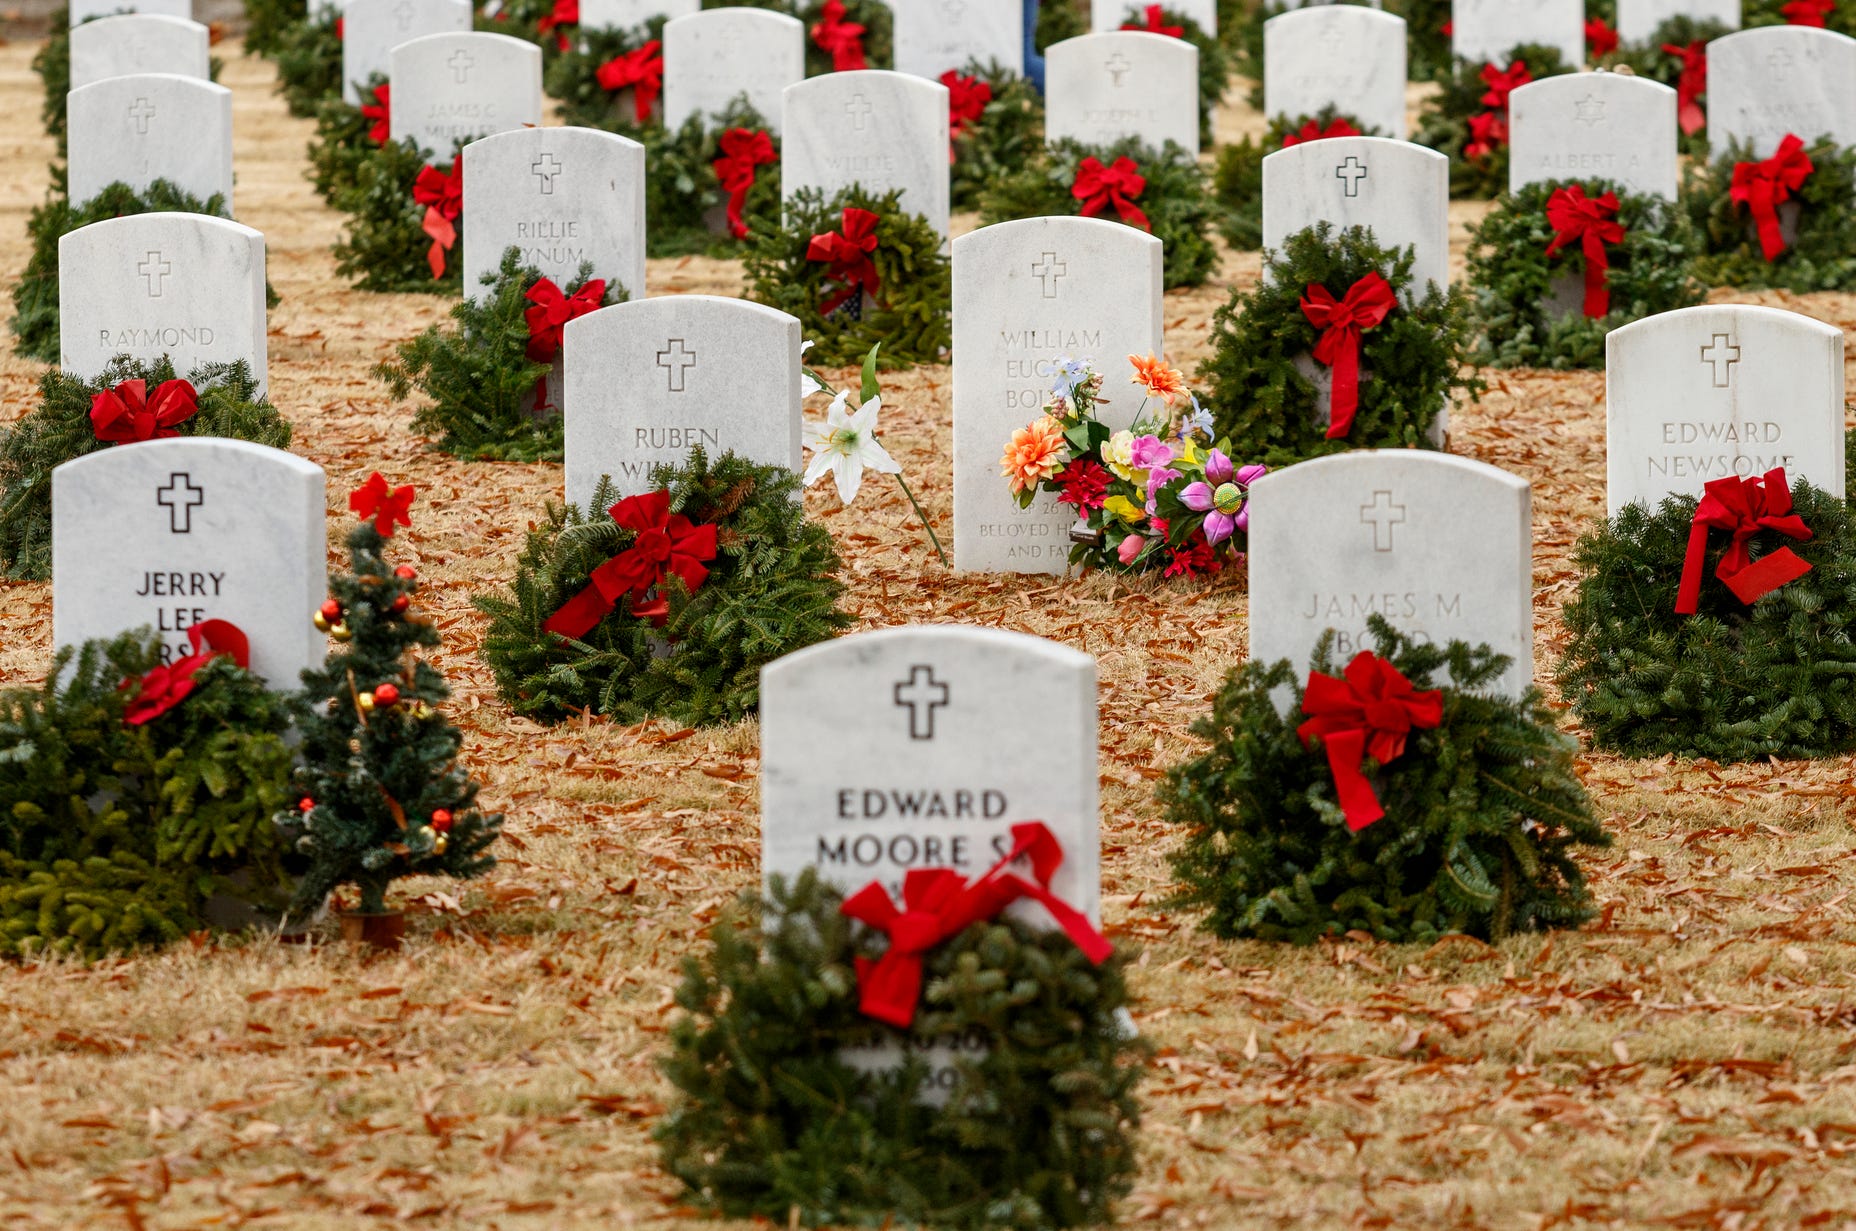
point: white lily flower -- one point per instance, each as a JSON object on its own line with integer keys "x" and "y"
{"x": 845, "y": 444}
{"x": 808, "y": 383}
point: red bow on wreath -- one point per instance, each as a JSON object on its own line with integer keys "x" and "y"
{"x": 1155, "y": 23}
{"x": 1312, "y": 131}
{"x": 1370, "y": 712}
{"x": 1600, "y": 38}
{"x": 1592, "y": 223}
{"x": 381, "y": 112}
{"x": 667, "y": 544}
{"x": 641, "y": 70}
{"x": 1487, "y": 132}
{"x": 564, "y": 13}
{"x": 842, "y": 40}
{"x": 1341, "y": 322}
{"x": 126, "y": 414}
{"x": 442, "y": 194}
{"x": 1743, "y": 507}
{"x": 848, "y": 249}
{"x": 967, "y": 99}
{"x": 1691, "y": 85}
{"x": 549, "y": 315}
{"x": 743, "y": 149}
{"x": 168, "y": 685}
{"x": 1808, "y": 12}
{"x": 1502, "y": 82}
{"x": 372, "y": 501}
{"x": 1763, "y": 186}
{"x": 1099, "y": 187}
{"x": 938, "y": 904}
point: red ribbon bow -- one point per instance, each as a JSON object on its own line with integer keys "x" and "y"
{"x": 1691, "y": 85}
{"x": 564, "y": 13}
{"x": 643, "y": 71}
{"x": 842, "y": 40}
{"x": 1808, "y": 12}
{"x": 1763, "y": 186}
{"x": 1342, "y": 322}
{"x": 1600, "y": 38}
{"x": 381, "y": 112}
{"x": 967, "y": 99}
{"x": 442, "y": 194}
{"x": 1312, "y": 131}
{"x": 385, "y": 508}
{"x": 1155, "y": 23}
{"x": 1591, "y": 222}
{"x": 1487, "y": 131}
{"x": 667, "y": 544}
{"x": 1099, "y": 187}
{"x": 1503, "y": 82}
{"x": 1370, "y": 712}
{"x": 938, "y": 904}
{"x": 126, "y": 414}
{"x": 743, "y": 149}
{"x": 168, "y": 685}
{"x": 549, "y": 316}
{"x": 1744, "y": 507}
{"x": 848, "y": 249}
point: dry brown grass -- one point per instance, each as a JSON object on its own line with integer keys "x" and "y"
{"x": 1685, "y": 1062}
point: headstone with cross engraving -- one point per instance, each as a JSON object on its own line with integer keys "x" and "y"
{"x": 450, "y": 89}
{"x": 139, "y": 43}
{"x": 1026, "y": 294}
{"x": 1114, "y": 14}
{"x": 1639, "y": 19}
{"x": 631, "y": 14}
{"x": 1485, "y": 31}
{"x": 649, "y": 380}
{"x": 1775, "y": 81}
{"x": 84, "y": 10}
{"x": 1400, "y": 190}
{"x": 938, "y": 36}
{"x": 1343, "y": 56}
{"x": 371, "y": 29}
{"x": 169, "y": 533}
{"x": 882, "y": 130}
{"x": 1440, "y": 545}
{"x": 1586, "y": 126}
{"x": 1102, "y": 88}
{"x": 147, "y": 127}
{"x": 1717, "y": 390}
{"x": 187, "y": 286}
{"x": 713, "y": 58}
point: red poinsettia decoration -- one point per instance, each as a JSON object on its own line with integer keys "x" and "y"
{"x": 380, "y": 111}
{"x": 442, "y": 194}
{"x": 640, "y": 71}
{"x": 374, "y": 501}
{"x": 126, "y": 414}
{"x": 842, "y": 40}
{"x": 744, "y": 150}
{"x": 667, "y": 545}
{"x": 168, "y": 685}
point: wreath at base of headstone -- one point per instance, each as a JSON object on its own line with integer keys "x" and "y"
{"x": 875, "y": 46}
{"x": 127, "y": 809}
{"x": 1408, "y": 365}
{"x": 1840, "y": 18}
{"x": 1533, "y": 291}
{"x": 1464, "y": 820}
{"x": 1163, "y": 193}
{"x": 402, "y": 209}
{"x": 573, "y": 77}
{"x": 1676, "y": 56}
{"x": 1734, "y": 681}
{"x": 76, "y": 416}
{"x": 486, "y": 376}
{"x": 707, "y": 178}
{"x": 857, "y": 270}
{"x": 346, "y": 138}
{"x": 1467, "y": 118}
{"x": 308, "y": 56}
{"x": 1037, "y": 1123}
{"x": 1815, "y": 218}
{"x": 747, "y": 579}
{"x": 1237, "y": 178}
{"x": 266, "y": 20}
{"x": 1003, "y": 129}
{"x": 1427, "y": 34}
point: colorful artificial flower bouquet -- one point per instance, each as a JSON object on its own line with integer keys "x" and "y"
{"x": 1157, "y": 495}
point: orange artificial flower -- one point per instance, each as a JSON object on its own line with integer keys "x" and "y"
{"x": 1036, "y": 453}
{"x": 1160, "y": 379}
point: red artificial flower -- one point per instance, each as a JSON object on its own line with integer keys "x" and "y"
{"x": 1503, "y": 82}
{"x": 967, "y": 98}
{"x": 667, "y": 544}
{"x": 381, "y": 112}
{"x": 1808, "y": 12}
{"x": 743, "y": 151}
{"x": 842, "y": 40}
{"x": 1085, "y": 485}
{"x": 1155, "y": 23}
{"x": 1195, "y": 559}
{"x": 171, "y": 683}
{"x": 1312, "y": 131}
{"x": 1600, "y": 38}
{"x": 442, "y": 194}
{"x": 126, "y": 414}
{"x": 642, "y": 71}
{"x": 385, "y": 508}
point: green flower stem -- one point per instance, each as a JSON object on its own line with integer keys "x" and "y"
{"x": 932, "y": 536}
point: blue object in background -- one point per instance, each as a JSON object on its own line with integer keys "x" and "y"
{"x": 1034, "y": 63}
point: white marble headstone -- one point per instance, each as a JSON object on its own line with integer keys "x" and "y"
{"x": 1440, "y": 545}
{"x": 1582, "y": 126}
{"x": 1485, "y": 31}
{"x": 713, "y": 58}
{"x": 450, "y": 89}
{"x": 882, "y": 130}
{"x": 1639, "y": 19}
{"x": 152, "y": 126}
{"x": 188, "y": 286}
{"x": 1400, "y": 190}
{"x": 1027, "y": 293}
{"x": 371, "y": 29}
{"x": 1102, "y": 88}
{"x": 630, "y": 14}
{"x": 1340, "y": 55}
{"x": 171, "y": 533}
{"x": 84, "y": 10}
{"x": 934, "y": 36}
{"x": 1113, "y": 14}
{"x": 649, "y": 380}
{"x": 139, "y": 43}
{"x": 1721, "y": 389}
{"x": 1764, "y": 84}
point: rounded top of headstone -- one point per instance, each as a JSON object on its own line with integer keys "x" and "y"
{"x": 1086, "y": 230}
{"x": 1340, "y": 147}
{"x": 1707, "y": 315}
{"x": 436, "y": 43}
{"x": 553, "y": 137}
{"x": 1750, "y": 40}
{"x": 832, "y": 83}
{"x": 1368, "y": 463}
{"x": 1333, "y": 14}
{"x": 1161, "y": 44}
{"x": 165, "y": 81}
{"x": 1609, "y": 83}
{"x": 102, "y": 27}
{"x": 733, "y": 15}
{"x": 882, "y": 642}
{"x": 162, "y": 221}
{"x": 642, "y": 313}
{"x": 150, "y": 453}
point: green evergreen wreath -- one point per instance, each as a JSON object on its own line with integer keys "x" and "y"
{"x": 1820, "y": 258}
{"x": 572, "y": 77}
{"x": 1443, "y": 125}
{"x": 1178, "y": 208}
{"x": 266, "y": 21}
{"x": 911, "y": 314}
{"x": 342, "y": 144}
{"x": 684, "y": 198}
{"x": 384, "y": 248}
{"x": 477, "y": 374}
{"x": 1481, "y": 812}
{"x": 879, "y": 33}
{"x": 1732, "y": 682}
{"x": 1428, "y": 54}
{"x": 1411, "y": 364}
{"x": 1840, "y": 18}
{"x": 1058, "y": 20}
{"x": 1650, "y": 60}
{"x": 1512, "y": 277}
{"x": 59, "y": 430}
{"x": 1237, "y": 179}
{"x": 308, "y": 55}
{"x": 1037, "y": 1131}
{"x": 115, "y": 835}
{"x": 772, "y": 588}
{"x": 1007, "y": 135}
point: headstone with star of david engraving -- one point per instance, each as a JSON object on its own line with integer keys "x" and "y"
{"x": 882, "y": 130}
{"x": 937, "y": 36}
{"x": 1440, "y": 545}
{"x": 1586, "y": 126}
{"x": 713, "y": 58}
{"x": 139, "y": 43}
{"x": 188, "y": 286}
{"x": 1114, "y": 14}
{"x": 167, "y": 534}
{"x": 147, "y": 127}
{"x": 1721, "y": 389}
{"x": 1026, "y": 294}
{"x": 371, "y": 29}
{"x": 631, "y": 14}
{"x": 1103, "y": 88}
{"x": 1343, "y": 56}
{"x": 1638, "y": 19}
{"x": 450, "y": 89}
{"x": 649, "y": 380}
{"x": 1766, "y": 84}
{"x": 1485, "y": 31}
{"x": 1399, "y": 190}
{"x": 86, "y": 10}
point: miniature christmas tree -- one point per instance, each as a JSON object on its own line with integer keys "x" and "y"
{"x": 383, "y": 794}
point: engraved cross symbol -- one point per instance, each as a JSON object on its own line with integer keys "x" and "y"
{"x": 1591, "y": 110}
{"x": 955, "y": 9}
{"x": 1721, "y": 354}
{"x": 921, "y": 694}
{"x": 142, "y": 111}
{"x": 1049, "y": 270}
{"x": 156, "y": 271}
{"x": 1382, "y": 515}
{"x": 676, "y": 359}
{"x": 180, "y": 498}
{"x": 1117, "y": 65}
{"x": 859, "y": 110}
{"x": 1350, "y": 173}
{"x": 546, "y": 168}
{"x": 1332, "y": 38}
{"x": 403, "y": 13}
{"x": 461, "y": 63}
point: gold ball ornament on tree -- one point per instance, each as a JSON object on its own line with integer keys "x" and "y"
{"x": 364, "y": 702}
{"x": 421, "y": 711}
{"x": 327, "y": 617}
{"x": 341, "y": 632}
